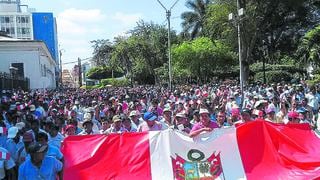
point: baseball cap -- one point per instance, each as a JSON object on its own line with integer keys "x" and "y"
{"x": 70, "y": 126}
{"x": 149, "y": 116}
{"x": 167, "y": 109}
{"x": 133, "y": 113}
{"x": 293, "y": 114}
{"x": 20, "y": 125}
{"x": 302, "y": 110}
{"x": 12, "y": 132}
{"x": 116, "y": 118}
{"x": 181, "y": 115}
{"x": 245, "y": 110}
{"x": 32, "y": 107}
{"x": 37, "y": 148}
{"x": 203, "y": 111}
{"x": 270, "y": 110}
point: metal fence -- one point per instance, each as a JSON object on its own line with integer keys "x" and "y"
{"x": 9, "y": 82}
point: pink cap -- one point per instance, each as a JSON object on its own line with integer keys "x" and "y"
{"x": 293, "y": 114}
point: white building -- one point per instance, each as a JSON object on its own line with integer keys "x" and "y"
{"x": 14, "y": 22}
{"x": 32, "y": 58}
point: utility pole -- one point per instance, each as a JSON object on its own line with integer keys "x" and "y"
{"x": 80, "y": 72}
{"x": 168, "y": 14}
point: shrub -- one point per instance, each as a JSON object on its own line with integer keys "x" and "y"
{"x": 274, "y": 76}
{"x": 115, "y": 82}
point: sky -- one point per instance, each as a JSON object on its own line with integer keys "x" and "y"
{"x": 81, "y": 21}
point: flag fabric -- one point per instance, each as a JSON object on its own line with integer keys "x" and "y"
{"x": 255, "y": 150}
{"x": 3, "y": 130}
{"x": 20, "y": 107}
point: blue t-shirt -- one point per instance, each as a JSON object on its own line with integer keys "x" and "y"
{"x": 49, "y": 168}
{"x": 54, "y": 152}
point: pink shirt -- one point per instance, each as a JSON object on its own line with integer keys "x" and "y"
{"x": 199, "y": 125}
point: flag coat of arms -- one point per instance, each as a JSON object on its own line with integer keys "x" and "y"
{"x": 256, "y": 150}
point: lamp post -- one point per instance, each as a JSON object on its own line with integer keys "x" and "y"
{"x": 168, "y": 14}
{"x": 60, "y": 62}
{"x": 240, "y": 13}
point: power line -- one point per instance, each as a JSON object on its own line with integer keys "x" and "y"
{"x": 73, "y": 62}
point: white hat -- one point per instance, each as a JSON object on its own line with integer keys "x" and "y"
{"x": 133, "y": 113}
{"x": 20, "y": 125}
{"x": 32, "y": 107}
{"x": 181, "y": 115}
{"x": 12, "y": 132}
{"x": 76, "y": 102}
{"x": 87, "y": 116}
{"x": 203, "y": 111}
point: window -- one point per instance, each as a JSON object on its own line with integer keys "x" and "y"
{"x": 18, "y": 19}
{"x": 45, "y": 70}
{"x": 23, "y": 20}
{"x": 25, "y": 30}
{"x": 27, "y": 19}
{"x": 2, "y": 19}
{"x": 6, "y": 19}
{"x": 12, "y": 30}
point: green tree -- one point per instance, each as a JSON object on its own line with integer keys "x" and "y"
{"x": 193, "y": 21}
{"x": 200, "y": 58}
{"x": 143, "y": 52}
{"x": 103, "y": 72}
{"x": 309, "y": 48}
{"x": 102, "y": 50}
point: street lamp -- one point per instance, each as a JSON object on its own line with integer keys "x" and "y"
{"x": 168, "y": 13}
{"x": 240, "y": 12}
{"x": 60, "y": 55}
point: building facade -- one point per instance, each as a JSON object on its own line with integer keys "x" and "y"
{"x": 67, "y": 79}
{"x": 32, "y": 60}
{"x": 30, "y": 25}
{"x": 45, "y": 29}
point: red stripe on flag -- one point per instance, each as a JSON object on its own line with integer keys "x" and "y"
{"x": 115, "y": 156}
{"x": 278, "y": 151}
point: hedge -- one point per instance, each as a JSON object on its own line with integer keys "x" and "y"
{"x": 274, "y": 76}
{"x": 115, "y": 82}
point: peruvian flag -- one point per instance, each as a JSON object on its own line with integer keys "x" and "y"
{"x": 3, "y": 130}
{"x": 256, "y": 150}
{"x": 21, "y": 107}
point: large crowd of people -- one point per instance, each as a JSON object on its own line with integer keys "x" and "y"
{"x": 34, "y": 123}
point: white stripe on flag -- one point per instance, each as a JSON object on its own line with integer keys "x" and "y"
{"x": 3, "y": 155}
{"x": 169, "y": 144}
{"x": 2, "y": 130}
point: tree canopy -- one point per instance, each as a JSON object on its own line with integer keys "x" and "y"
{"x": 276, "y": 32}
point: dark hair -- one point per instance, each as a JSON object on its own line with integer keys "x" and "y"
{"x": 41, "y": 135}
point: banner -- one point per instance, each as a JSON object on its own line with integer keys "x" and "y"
{"x": 256, "y": 150}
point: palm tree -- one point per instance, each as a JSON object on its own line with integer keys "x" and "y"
{"x": 193, "y": 21}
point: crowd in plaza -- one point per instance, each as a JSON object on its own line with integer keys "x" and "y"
{"x": 33, "y": 124}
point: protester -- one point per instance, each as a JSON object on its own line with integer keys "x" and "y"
{"x": 191, "y": 109}
{"x": 205, "y": 124}
{"x": 7, "y": 165}
{"x": 40, "y": 166}
{"x": 150, "y": 123}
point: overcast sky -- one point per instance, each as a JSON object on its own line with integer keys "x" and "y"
{"x": 80, "y": 21}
